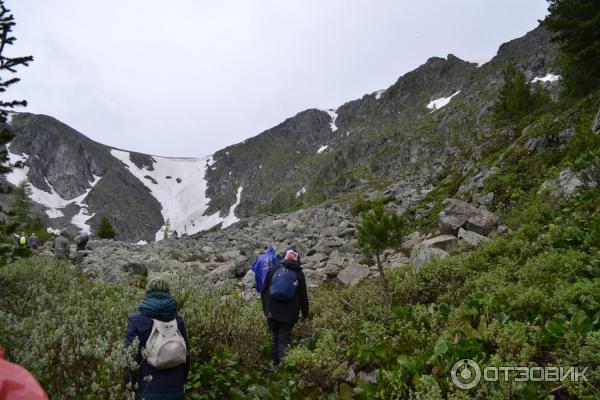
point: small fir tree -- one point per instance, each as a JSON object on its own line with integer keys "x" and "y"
{"x": 21, "y": 205}
{"x": 379, "y": 230}
{"x": 514, "y": 99}
{"x": 105, "y": 229}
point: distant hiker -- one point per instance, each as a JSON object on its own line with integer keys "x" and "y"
{"x": 82, "y": 239}
{"x": 262, "y": 265}
{"x": 16, "y": 383}
{"x": 61, "y": 246}
{"x": 283, "y": 296}
{"x": 21, "y": 240}
{"x": 34, "y": 241}
{"x": 163, "y": 346}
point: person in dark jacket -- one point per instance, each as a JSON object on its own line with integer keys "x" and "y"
{"x": 282, "y": 315}
{"x": 165, "y": 384}
{"x": 34, "y": 241}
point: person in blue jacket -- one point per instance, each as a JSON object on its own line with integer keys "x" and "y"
{"x": 262, "y": 265}
{"x": 164, "y": 384}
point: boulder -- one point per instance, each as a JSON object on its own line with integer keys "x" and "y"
{"x": 425, "y": 254}
{"x": 224, "y": 272}
{"x": 316, "y": 258}
{"x": 314, "y": 278}
{"x": 353, "y": 274}
{"x": 456, "y": 214}
{"x": 335, "y": 258}
{"x": 563, "y": 187}
{"x": 444, "y": 242}
{"x": 329, "y": 270}
{"x": 596, "y": 124}
{"x": 472, "y": 239}
{"x": 409, "y": 241}
{"x": 248, "y": 281}
{"x": 397, "y": 260}
{"x": 482, "y": 222}
{"x": 347, "y": 232}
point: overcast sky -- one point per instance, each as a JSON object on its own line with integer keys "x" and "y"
{"x": 188, "y": 77}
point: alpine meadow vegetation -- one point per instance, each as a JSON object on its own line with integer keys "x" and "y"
{"x": 527, "y": 297}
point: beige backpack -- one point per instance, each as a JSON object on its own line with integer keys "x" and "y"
{"x": 165, "y": 347}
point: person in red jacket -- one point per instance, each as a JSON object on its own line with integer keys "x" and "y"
{"x": 16, "y": 383}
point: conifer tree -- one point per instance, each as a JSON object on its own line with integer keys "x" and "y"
{"x": 21, "y": 204}
{"x": 105, "y": 229}
{"x": 8, "y": 67}
{"x": 576, "y": 26}
{"x": 379, "y": 230}
{"x": 515, "y": 98}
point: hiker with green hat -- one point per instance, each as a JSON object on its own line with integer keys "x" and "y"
{"x": 162, "y": 355}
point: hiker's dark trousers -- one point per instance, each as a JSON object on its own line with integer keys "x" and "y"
{"x": 280, "y": 332}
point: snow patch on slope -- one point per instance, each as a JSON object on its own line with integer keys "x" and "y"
{"x": 322, "y": 149}
{"x": 379, "y": 93}
{"x": 301, "y": 192}
{"x": 439, "y": 103}
{"x": 332, "y": 113}
{"x": 231, "y": 218}
{"x": 547, "y": 78}
{"x": 183, "y": 203}
{"x": 51, "y": 201}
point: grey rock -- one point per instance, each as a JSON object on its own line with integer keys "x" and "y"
{"x": 409, "y": 241}
{"x": 353, "y": 274}
{"x": 444, "y": 242}
{"x": 329, "y": 270}
{"x": 223, "y": 272}
{"x": 314, "y": 278}
{"x": 316, "y": 258}
{"x": 397, "y": 260}
{"x": 248, "y": 281}
{"x": 368, "y": 376}
{"x": 457, "y": 213}
{"x": 347, "y": 232}
{"x": 564, "y": 186}
{"x": 425, "y": 254}
{"x": 472, "y": 239}
{"x": 486, "y": 199}
{"x": 482, "y": 222}
{"x": 596, "y": 124}
{"x": 537, "y": 145}
{"x": 502, "y": 229}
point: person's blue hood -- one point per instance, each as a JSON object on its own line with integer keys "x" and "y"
{"x": 270, "y": 251}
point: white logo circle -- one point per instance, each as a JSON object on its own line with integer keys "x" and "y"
{"x": 466, "y": 374}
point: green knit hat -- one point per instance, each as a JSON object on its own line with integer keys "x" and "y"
{"x": 157, "y": 285}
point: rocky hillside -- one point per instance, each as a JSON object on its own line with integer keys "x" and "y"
{"x": 433, "y": 122}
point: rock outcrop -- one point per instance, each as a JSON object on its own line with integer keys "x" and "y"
{"x": 458, "y": 214}
{"x": 565, "y": 186}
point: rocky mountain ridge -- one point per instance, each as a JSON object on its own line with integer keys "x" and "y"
{"x": 385, "y": 142}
